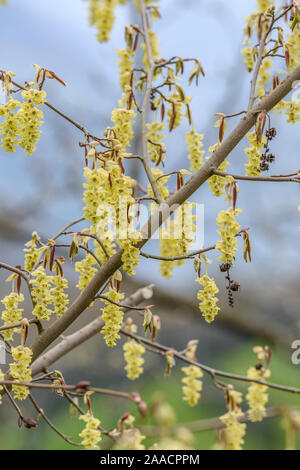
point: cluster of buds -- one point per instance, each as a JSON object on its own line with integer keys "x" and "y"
{"x": 232, "y": 286}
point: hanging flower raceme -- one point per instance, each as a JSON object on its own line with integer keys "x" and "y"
{"x": 30, "y": 118}
{"x": 254, "y": 154}
{"x": 41, "y": 294}
{"x": 292, "y": 110}
{"x": 194, "y": 141}
{"x": 102, "y": 16}
{"x": 123, "y": 120}
{"x": 20, "y": 370}
{"x": 257, "y": 396}
{"x": 168, "y": 248}
{"x": 155, "y": 147}
{"x": 12, "y": 313}
{"x": 192, "y": 386}
{"x": 131, "y": 254}
{"x": 21, "y": 127}
{"x": 263, "y": 76}
{"x": 162, "y": 187}
{"x": 207, "y": 296}
{"x": 125, "y": 66}
{"x": 264, "y": 5}
{"x": 33, "y": 252}
{"x": 176, "y": 237}
{"x": 91, "y": 434}
{"x": 133, "y": 352}
{"x": 112, "y": 316}
{"x": 234, "y": 431}
{"x": 9, "y": 129}
{"x": 249, "y": 60}
{"x": 217, "y": 183}
{"x": 59, "y": 297}
{"x": 86, "y": 269}
{"x": 227, "y": 245}
{"x": 293, "y": 41}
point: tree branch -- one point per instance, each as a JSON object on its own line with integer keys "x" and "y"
{"x": 84, "y": 334}
{"x": 161, "y": 349}
{"x": 258, "y": 178}
{"x": 156, "y": 219}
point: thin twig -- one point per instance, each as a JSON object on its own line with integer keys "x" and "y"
{"x": 50, "y": 424}
{"x": 258, "y": 178}
{"x": 211, "y": 371}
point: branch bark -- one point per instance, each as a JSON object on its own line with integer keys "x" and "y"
{"x": 84, "y": 334}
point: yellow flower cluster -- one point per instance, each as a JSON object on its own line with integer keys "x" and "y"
{"x": 32, "y": 253}
{"x": 91, "y": 435}
{"x": 155, "y": 51}
{"x": 133, "y": 353}
{"x": 86, "y": 269}
{"x": 41, "y": 294}
{"x": 293, "y": 41}
{"x": 102, "y": 16}
{"x": 257, "y": 396}
{"x": 125, "y": 66}
{"x": 12, "y": 314}
{"x": 194, "y": 141}
{"x": 249, "y": 60}
{"x": 176, "y": 237}
{"x": 217, "y": 183}
{"x": 208, "y": 300}
{"x": 234, "y": 431}
{"x": 109, "y": 186}
{"x": 263, "y": 5}
{"x": 292, "y": 111}
{"x": 168, "y": 248}
{"x": 192, "y": 385}
{"x": 161, "y": 186}
{"x": 22, "y": 128}
{"x": 156, "y": 137}
{"x": 1, "y": 388}
{"x": 131, "y": 253}
{"x": 9, "y": 129}
{"x": 123, "y": 122}
{"x": 227, "y": 246}
{"x": 30, "y": 118}
{"x": 112, "y": 316}
{"x": 264, "y": 77}
{"x": 20, "y": 370}
{"x": 59, "y": 297}
{"x": 254, "y": 154}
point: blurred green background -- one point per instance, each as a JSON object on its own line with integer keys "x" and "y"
{"x": 267, "y": 435}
